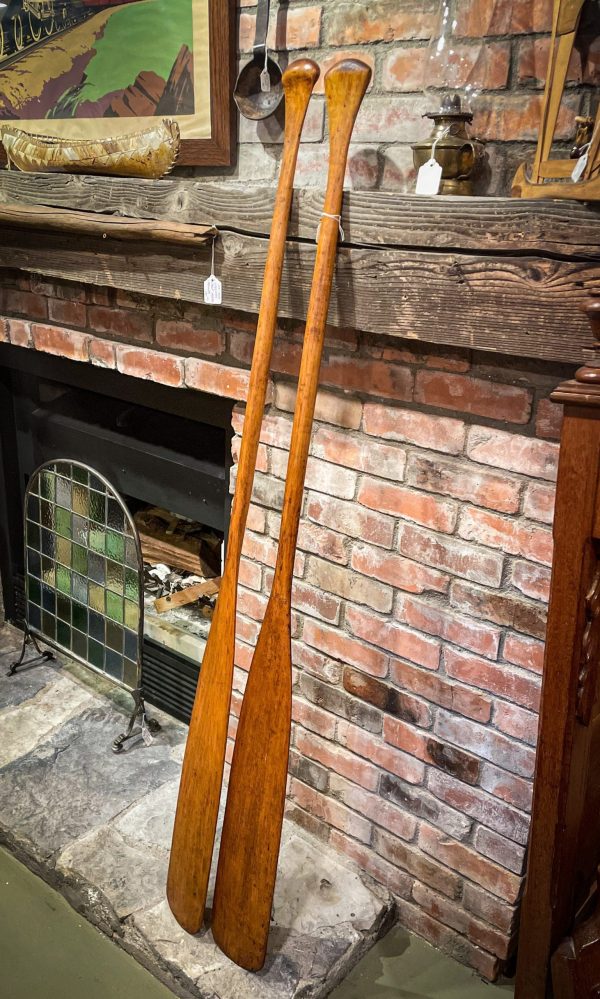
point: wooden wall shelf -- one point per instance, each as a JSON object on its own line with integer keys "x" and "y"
{"x": 493, "y": 274}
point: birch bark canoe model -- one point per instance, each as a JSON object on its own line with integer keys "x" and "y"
{"x": 254, "y": 814}
{"x": 202, "y": 774}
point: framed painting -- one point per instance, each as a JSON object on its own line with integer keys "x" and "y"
{"x": 97, "y": 68}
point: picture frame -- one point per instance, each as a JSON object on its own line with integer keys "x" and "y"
{"x": 98, "y": 69}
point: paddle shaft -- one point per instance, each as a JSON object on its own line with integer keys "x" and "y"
{"x": 202, "y": 773}
{"x": 256, "y": 796}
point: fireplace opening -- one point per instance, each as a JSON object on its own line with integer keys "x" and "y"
{"x": 167, "y": 452}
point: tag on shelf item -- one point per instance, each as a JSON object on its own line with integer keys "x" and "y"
{"x": 265, "y": 81}
{"x": 580, "y": 167}
{"x": 429, "y": 178}
{"x": 213, "y": 289}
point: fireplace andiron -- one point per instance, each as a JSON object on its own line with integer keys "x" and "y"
{"x": 84, "y": 580}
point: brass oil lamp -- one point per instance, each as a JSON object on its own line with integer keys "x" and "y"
{"x": 450, "y": 144}
{"x": 452, "y": 80}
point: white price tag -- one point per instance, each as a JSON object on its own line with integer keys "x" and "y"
{"x": 580, "y": 167}
{"x": 429, "y": 178}
{"x": 265, "y": 81}
{"x": 213, "y": 289}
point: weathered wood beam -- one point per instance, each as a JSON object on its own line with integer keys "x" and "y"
{"x": 42, "y": 218}
{"x": 522, "y": 305}
{"x": 379, "y": 218}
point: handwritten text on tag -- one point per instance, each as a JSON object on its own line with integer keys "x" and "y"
{"x": 429, "y": 178}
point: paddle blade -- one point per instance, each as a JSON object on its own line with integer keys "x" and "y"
{"x": 256, "y": 797}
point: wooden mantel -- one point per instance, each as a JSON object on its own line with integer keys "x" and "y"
{"x": 491, "y": 274}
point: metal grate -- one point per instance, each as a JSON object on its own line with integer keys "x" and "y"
{"x": 83, "y": 569}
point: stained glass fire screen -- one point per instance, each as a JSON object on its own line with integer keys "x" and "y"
{"x": 84, "y": 574}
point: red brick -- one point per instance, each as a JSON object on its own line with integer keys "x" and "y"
{"x": 296, "y": 29}
{"x": 438, "y": 433}
{"x": 63, "y": 343}
{"x": 389, "y": 759}
{"x": 340, "y": 646}
{"x": 533, "y": 61}
{"x": 311, "y": 600}
{"x": 339, "y": 760}
{"x": 495, "y": 847}
{"x": 166, "y": 369}
{"x": 478, "y": 18}
{"x": 463, "y": 481}
{"x": 513, "y": 452}
{"x": 321, "y": 541}
{"x": 438, "y": 754}
{"x": 262, "y": 550}
{"x": 103, "y": 353}
{"x": 525, "y": 652}
{"x": 121, "y": 323}
{"x": 400, "y": 501}
{"x": 388, "y": 634}
{"x": 516, "y": 117}
{"x": 320, "y": 475}
{"x": 449, "y": 695}
{"x": 316, "y": 720}
{"x": 514, "y": 790}
{"x": 18, "y": 332}
{"x": 398, "y": 571}
{"x": 262, "y": 455}
{"x": 364, "y": 455}
{"x": 489, "y": 908}
{"x": 311, "y": 661}
{"x": 438, "y": 621}
{"x": 423, "y": 804}
{"x": 449, "y": 362}
{"x": 24, "y": 302}
{"x": 67, "y": 313}
{"x": 451, "y": 555}
{"x": 533, "y": 581}
{"x": 512, "y": 536}
{"x": 372, "y": 377}
{"x": 472, "y": 395}
{"x": 329, "y": 408}
{"x": 414, "y": 862}
{"x": 379, "y": 21}
{"x": 218, "y": 379}
{"x": 497, "y": 678}
{"x": 485, "y": 808}
{"x": 487, "y": 744}
{"x": 382, "y": 813}
{"x": 502, "y": 608}
{"x": 349, "y": 585}
{"x": 331, "y": 811}
{"x": 462, "y": 858}
{"x": 250, "y": 574}
{"x": 484, "y": 65}
{"x": 539, "y": 502}
{"x": 455, "y": 917}
{"x": 516, "y": 721}
{"x": 387, "y": 698}
{"x": 189, "y": 336}
{"x": 445, "y": 939}
{"x": 349, "y": 519}
{"x": 549, "y": 418}
{"x": 394, "y": 880}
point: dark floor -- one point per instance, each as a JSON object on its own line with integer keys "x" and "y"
{"x": 47, "y": 949}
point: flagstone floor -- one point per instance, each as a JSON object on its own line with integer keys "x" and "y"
{"x": 98, "y": 827}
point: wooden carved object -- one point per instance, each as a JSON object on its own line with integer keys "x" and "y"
{"x": 202, "y": 774}
{"x": 256, "y": 796}
{"x": 576, "y": 963}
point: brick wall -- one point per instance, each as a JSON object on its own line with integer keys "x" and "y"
{"x": 421, "y": 584}
{"x": 506, "y": 42}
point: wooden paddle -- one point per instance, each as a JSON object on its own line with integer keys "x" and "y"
{"x": 254, "y": 814}
{"x": 202, "y": 774}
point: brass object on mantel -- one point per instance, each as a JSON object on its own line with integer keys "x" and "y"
{"x": 456, "y": 152}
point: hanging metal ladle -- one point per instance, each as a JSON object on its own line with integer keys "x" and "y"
{"x": 258, "y": 90}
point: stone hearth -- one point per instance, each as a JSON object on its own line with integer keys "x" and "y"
{"x": 98, "y": 827}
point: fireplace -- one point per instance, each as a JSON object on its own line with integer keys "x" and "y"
{"x": 162, "y": 449}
